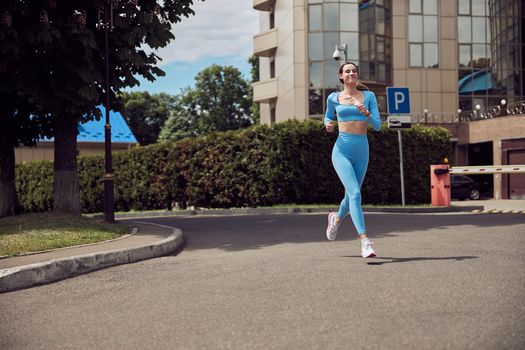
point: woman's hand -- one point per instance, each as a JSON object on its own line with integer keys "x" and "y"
{"x": 329, "y": 126}
{"x": 362, "y": 109}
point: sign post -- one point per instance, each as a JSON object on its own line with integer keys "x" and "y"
{"x": 398, "y": 103}
{"x": 401, "y": 174}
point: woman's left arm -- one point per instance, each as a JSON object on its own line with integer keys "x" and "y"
{"x": 374, "y": 118}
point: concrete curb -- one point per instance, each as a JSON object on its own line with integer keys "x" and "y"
{"x": 408, "y": 210}
{"x": 55, "y": 270}
{"x": 292, "y": 210}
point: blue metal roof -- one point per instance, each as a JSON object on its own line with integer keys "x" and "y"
{"x": 477, "y": 81}
{"x": 93, "y": 130}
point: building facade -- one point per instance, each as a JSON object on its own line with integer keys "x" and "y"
{"x": 90, "y": 139}
{"x": 461, "y": 59}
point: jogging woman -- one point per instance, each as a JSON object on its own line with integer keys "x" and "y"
{"x": 354, "y": 107}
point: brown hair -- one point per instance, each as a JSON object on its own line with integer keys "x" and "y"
{"x": 359, "y": 85}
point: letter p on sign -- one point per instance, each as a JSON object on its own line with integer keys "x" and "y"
{"x": 398, "y": 99}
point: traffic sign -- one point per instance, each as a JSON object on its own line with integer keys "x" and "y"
{"x": 398, "y": 100}
{"x": 399, "y": 122}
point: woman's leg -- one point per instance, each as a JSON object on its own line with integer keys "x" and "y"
{"x": 351, "y": 174}
{"x": 360, "y": 163}
{"x": 350, "y": 160}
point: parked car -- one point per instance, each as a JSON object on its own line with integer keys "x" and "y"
{"x": 463, "y": 187}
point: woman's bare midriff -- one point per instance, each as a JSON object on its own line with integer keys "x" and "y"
{"x": 353, "y": 127}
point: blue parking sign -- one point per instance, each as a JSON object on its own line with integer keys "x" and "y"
{"x": 398, "y": 100}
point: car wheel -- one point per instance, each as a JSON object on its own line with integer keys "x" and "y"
{"x": 474, "y": 194}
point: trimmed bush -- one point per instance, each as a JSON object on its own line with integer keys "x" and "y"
{"x": 289, "y": 162}
{"x": 34, "y": 186}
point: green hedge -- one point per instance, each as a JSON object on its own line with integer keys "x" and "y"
{"x": 286, "y": 163}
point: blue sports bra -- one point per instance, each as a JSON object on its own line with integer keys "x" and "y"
{"x": 349, "y": 112}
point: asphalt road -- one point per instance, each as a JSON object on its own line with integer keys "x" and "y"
{"x": 442, "y": 281}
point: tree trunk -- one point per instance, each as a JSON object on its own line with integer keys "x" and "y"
{"x": 8, "y": 198}
{"x": 66, "y": 191}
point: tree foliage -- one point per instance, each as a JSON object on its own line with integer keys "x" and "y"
{"x": 255, "y": 109}
{"x": 53, "y": 56}
{"x": 146, "y": 114}
{"x": 220, "y": 101}
{"x": 182, "y": 120}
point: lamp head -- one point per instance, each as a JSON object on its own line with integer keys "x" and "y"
{"x": 337, "y": 54}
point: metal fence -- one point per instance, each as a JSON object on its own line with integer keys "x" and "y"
{"x": 489, "y": 112}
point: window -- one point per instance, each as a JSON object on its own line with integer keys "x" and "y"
{"x": 465, "y": 56}
{"x": 314, "y": 18}
{"x": 316, "y": 78}
{"x": 423, "y": 33}
{"x": 331, "y": 77}
{"x": 315, "y": 46}
{"x": 347, "y": 12}
{"x": 331, "y": 16}
{"x": 416, "y": 55}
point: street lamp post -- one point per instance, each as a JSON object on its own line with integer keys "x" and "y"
{"x": 503, "y": 107}
{"x": 109, "y": 201}
{"x": 425, "y": 111}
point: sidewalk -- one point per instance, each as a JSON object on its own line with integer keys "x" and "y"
{"x": 495, "y": 206}
{"x": 152, "y": 240}
{"x": 147, "y": 241}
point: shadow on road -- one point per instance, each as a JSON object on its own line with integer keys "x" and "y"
{"x": 244, "y": 232}
{"x": 389, "y": 260}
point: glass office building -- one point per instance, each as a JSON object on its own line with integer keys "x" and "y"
{"x": 452, "y": 54}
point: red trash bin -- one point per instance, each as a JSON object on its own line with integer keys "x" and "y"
{"x": 440, "y": 185}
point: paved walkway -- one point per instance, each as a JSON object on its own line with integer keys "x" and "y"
{"x": 151, "y": 240}
{"x": 147, "y": 241}
{"x": 492, "y": 205}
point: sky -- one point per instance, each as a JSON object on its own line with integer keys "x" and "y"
{"x": 220, "y": 32}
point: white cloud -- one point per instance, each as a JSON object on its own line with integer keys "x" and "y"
{"x": 219, "y": 28}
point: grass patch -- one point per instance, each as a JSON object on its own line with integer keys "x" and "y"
{"x": 28, "y": 233}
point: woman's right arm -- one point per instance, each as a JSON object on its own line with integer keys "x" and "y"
{"x": 329, "y": 114}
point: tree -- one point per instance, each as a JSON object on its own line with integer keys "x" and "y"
{"x": 221, "y": 95}
{"x": 21, "y": 120}
{"x": 17, "y": 126}
{"x": 255, "y": 109}
{"x": 220, "y": 101}
{"x": 146, "y": 114}
{"x": 181, "y": 122}
{"x": 61, "y": 47}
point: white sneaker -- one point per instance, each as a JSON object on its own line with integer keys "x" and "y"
{"x": 366, "y": 250}
{"x": 333, "y": 226}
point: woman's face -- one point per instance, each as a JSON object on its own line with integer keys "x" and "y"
{"x": 349, "y": 73}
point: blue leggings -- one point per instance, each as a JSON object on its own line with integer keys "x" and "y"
{"x": 350, "y": 160}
